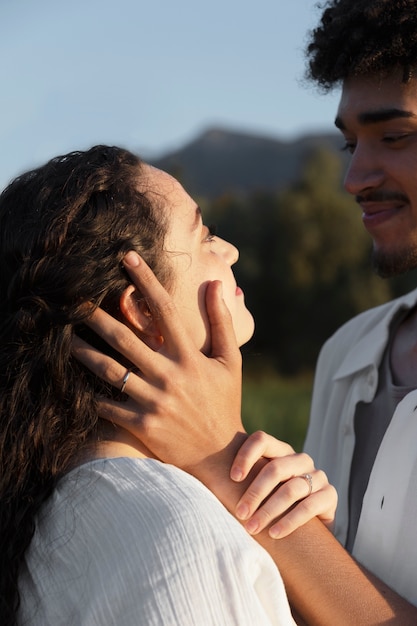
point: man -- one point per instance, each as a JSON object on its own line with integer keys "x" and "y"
{"x": 363, "y": 424}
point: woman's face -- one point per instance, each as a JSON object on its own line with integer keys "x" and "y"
{"x": 197, "y": 257}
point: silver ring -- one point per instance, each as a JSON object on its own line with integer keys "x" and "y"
{"x": 124, "y": 381}
{"x": 309, "y": 480}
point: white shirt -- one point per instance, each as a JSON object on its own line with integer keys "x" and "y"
{"x": 347, "y": 373}
{"x": 386, "y": 541}
{"x": 135, "y": 542}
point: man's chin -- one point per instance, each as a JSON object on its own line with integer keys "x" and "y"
{"x": 390, "y": 264}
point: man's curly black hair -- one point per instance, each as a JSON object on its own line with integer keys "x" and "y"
{"x": 362, "y": 37}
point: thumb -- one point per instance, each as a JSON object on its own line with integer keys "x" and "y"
{"x": 223, "y": 339}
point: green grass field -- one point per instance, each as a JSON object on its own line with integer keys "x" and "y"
{"x": 278, "y": 406}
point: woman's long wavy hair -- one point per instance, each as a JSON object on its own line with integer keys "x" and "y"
{"x": 64, "y": 229}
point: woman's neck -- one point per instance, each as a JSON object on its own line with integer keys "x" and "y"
{"x": 117, "y": 442}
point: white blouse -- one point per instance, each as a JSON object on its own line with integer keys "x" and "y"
{"x": 132, "y": 542}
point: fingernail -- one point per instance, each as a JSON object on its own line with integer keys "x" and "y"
{"x": 132, "y": 259}
{"x": 275, "y": 532}
{"x": 236, "y": 474}
{"x": 242, "y": 511}
{"x": 252, "y": 526}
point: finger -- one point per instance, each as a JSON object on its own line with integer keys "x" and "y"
{"x": 290, "y": 495}
{"x": 223, "y": 338}
{"x": 316, "y": 505}
{"x": 122, "y": 339}
{"x": 124, "y": 414}
{"x": 280, "y": 472}
{"x": 112, "y": 372}
{"x": 159, "y": 302}
{"x": 256, "y": 446}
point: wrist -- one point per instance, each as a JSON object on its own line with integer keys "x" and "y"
{"x": 214, "y": 472}
{"x": 216, "y": 465}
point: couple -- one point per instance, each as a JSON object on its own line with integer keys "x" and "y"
{"x": 95, "y": 529}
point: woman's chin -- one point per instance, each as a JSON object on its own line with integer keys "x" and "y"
{"x": 245, "y": 331}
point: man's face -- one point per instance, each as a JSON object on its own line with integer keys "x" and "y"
{"x": 378, "y": 118}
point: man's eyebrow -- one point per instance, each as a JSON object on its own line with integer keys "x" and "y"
{"x": 197, "y": 218}
{"x": 373, "y": 117}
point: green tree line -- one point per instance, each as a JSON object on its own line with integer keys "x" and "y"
{"x": 304, "y": 263}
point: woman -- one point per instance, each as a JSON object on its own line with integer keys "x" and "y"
{"x": 93, "y": 528}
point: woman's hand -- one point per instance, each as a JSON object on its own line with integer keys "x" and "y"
{"x": 183, "y": 405}
{"x": 281, "y": 489}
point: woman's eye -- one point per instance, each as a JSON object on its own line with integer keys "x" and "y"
{"x": 212, "y": 228}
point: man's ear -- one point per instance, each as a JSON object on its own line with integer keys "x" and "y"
{"x": 138, "y": 317}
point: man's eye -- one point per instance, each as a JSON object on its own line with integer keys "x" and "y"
{"x": 394, "y": 138}
{"x": 349, "y": 147}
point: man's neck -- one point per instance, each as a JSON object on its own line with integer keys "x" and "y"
{"x": 404, "y": 352}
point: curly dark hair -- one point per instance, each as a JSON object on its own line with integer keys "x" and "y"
{"x": 361, "y": 37}
{"x": 64, "y": 229}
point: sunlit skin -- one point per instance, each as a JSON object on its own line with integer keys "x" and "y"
{"x": 198, "y": 257}
{"x": 378, "y": 118}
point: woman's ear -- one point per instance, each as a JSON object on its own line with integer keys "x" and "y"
{"x": 139, "y": 318}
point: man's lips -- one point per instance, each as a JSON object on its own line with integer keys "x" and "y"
{"x": 374, "y": 216}
{"x": 379, "y": 207}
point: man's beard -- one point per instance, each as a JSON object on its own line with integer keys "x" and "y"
{"x": 389, "y": 264}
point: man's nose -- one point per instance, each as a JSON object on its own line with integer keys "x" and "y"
{"x": 364, "y": 171}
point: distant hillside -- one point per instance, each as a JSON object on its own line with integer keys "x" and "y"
{"x": 222, "y": 161}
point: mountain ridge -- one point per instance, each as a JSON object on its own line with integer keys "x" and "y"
{"x": 220, "y": 161}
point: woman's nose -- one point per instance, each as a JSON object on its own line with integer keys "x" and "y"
{"x": 230, "y": 252}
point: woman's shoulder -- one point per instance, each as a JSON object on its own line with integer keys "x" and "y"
{"x": 137, "y": 483}
{"x": 139, "y": 533}
{"x": 121, "y": 510}
{"x": 138, "y": 497}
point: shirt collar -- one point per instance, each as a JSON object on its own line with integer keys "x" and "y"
{"x": 369, "y": 349}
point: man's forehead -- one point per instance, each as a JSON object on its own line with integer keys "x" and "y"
{"x": 372, "y": 99}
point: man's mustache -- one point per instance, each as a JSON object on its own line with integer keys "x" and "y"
{"x": 382, "y": 196}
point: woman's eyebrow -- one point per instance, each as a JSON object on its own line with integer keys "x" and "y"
{"x": 197, "y": 218}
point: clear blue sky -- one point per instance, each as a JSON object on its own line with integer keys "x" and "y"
{"x": 150, "y": 75}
